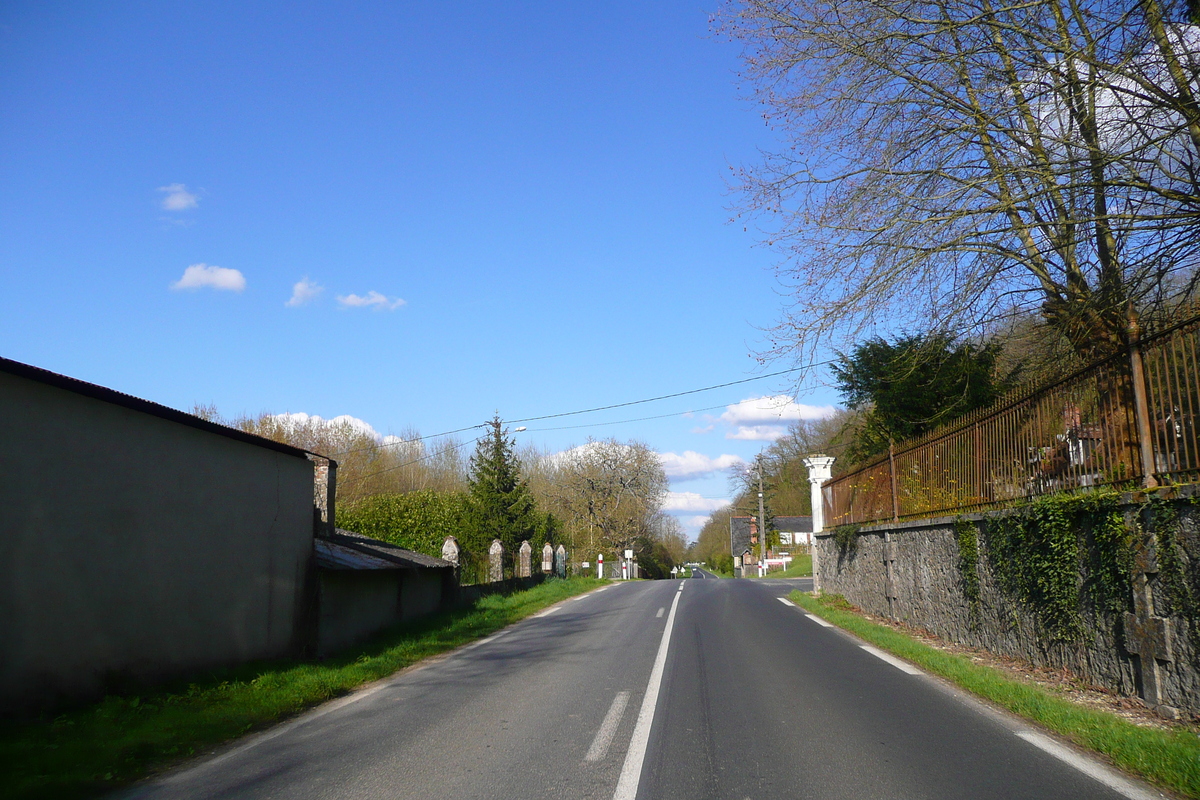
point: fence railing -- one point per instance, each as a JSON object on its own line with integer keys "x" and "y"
{"x": 1132, "y": 417}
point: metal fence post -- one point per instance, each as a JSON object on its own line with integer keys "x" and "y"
{"x": 1141, "y": 406}
{"x": 892, "y": 474}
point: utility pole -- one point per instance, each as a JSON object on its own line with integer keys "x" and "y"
{"x": 762, "y": 520}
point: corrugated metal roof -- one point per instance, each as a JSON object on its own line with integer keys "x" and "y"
{"x": 138, "y": 404}
{"x": 346, "y": 550}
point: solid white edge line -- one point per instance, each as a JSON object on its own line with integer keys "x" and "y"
{"x": 482, "y": 642}
{"x": 903, "y": 666}
{"x": 786, "y": 602}
{"x": 608, "y": 728}
{"x": 631, "y": 772}
{"x": 820, "y": 621}
{"x": 1088, "y": 767}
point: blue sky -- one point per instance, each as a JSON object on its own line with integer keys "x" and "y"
{"x": 542, "y": 185}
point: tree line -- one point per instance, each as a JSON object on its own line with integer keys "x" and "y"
{"x": 603, "y": 497}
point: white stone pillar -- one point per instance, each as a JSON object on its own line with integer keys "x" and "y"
{"x": 820, "y": 469}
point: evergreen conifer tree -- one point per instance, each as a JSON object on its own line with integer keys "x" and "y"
{"x": 501, "y": 502}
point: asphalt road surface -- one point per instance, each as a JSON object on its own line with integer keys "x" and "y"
{"x": 697, "y": 688}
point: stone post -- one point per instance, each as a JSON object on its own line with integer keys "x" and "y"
{"x": 450, "y": 550}
{"x": 524, "y": 557}
{"x": 547, "y": 558}
{"x": 496, "y": 562}
{"x": 820, "y": 469}
{"x": 1148, "y": 636}
{"x": 560, "y": 562}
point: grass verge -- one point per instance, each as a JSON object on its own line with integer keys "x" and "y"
{"x": 98, "y": 748}
{"x": 1168, "y": 758}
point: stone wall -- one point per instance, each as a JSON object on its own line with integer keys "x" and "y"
{"x": 909, "y": 571}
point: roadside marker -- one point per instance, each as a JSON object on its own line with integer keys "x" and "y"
{"x": 903, "y": 666}
{"x": 608, "y": 728}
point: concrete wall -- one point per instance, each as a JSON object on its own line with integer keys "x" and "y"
{"x": 136, "y": 548}
{"x": 355, "y": 604}
{"x": 927, "y": 589}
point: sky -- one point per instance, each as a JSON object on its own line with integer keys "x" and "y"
{"x": 417, "y": 215}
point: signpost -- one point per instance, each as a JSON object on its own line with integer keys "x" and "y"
{"x": 625, "y": 565}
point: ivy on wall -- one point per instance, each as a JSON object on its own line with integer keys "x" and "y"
{"x": 1050, "y": 552}
{"x": 1180, "y": 593}
{"x": 967, "y": 536}
{"x": 846, "y": 538}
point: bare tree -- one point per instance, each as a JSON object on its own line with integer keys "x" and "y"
{"x": 608, "y": 493}
{"x": 946, "y": 164}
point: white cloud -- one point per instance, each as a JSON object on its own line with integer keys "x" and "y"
{"x": 690, "y": 464}
{"x": 371, "y": 299}
{"x": 692, "y": 502}
{"x": 304, "y": 291}
{"x": 178, "y": 198}
{"x": 199, "y": 276}
{"x": 764, "y": 419}
{"x": 757, "y": 433}
{"x": 772, "y": 409}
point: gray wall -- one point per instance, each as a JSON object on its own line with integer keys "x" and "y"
{"x": 135, "y": 548}
{"x": 928, "y": 594}
{"x": 355, "y": 604}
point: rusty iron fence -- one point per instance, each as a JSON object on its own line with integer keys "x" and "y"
{"x": 1131, "y": 419}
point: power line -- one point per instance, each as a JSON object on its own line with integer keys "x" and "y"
{"x": 407, "y": 441}
{"x": 623, "y": 421}
{"x": 676, "y": 394}
{"x": 415, "y": 460}
{"x": 600, "y": 408}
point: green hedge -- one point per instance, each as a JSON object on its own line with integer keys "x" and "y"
{"x": 418, "y": 521}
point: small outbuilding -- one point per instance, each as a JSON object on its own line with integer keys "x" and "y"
{"x": 366, "y": 585}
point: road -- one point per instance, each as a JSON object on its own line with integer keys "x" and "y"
{"x": 697, "y": 688}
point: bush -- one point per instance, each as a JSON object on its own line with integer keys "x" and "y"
{"x": 418, "y": 521}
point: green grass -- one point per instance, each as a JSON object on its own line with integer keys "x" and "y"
{"x": 1168, "y": 758}
{"x": 95, "y": 749}
{"x": 801, "y": 568}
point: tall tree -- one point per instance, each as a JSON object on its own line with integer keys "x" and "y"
{"x": 502, "y": 505}
{"x": 949, "y": 163}
{"x": 610, "y": 493}
{"x": 910, "y": 386}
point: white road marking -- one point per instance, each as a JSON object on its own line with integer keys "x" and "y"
{"x": 1088, "y": 767}
{"x": 820, "y": 621}
{"x": 608, "y": 728}
{"x": 786, "y": 602}
{"x": 549, "y": 610}
{"x": 631, "y": 772}
{"x": 660, "y": 613}
{"x": 482, "y": 642}
{"x": 903, "y": 666}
